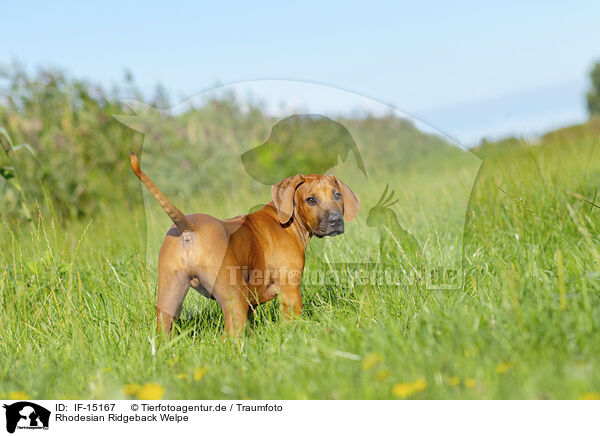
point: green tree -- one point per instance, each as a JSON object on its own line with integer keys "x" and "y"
{"x": 593, "y": 96}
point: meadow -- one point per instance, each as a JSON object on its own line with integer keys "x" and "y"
{"x": 78, "y": 265}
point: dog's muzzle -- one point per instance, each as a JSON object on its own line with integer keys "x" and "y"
{"x": 334, "y": 225}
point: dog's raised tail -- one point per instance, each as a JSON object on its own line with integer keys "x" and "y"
{"x": 175, "y": 214}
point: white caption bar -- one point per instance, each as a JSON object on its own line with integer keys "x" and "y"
{"x": 299, "y": 417}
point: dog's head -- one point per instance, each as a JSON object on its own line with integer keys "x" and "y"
{"x": 322, "y": 203}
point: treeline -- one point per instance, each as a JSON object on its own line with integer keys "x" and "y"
{"x": 63, "y": 150}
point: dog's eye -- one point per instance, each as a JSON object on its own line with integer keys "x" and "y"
{"x": 337, "y": 196}
{"x": 311, "y": 200}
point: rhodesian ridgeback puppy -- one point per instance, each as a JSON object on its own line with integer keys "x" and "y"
{"x": 251, "y": 259}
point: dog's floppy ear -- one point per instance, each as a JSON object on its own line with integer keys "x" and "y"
{"x": 283, "y": 197}
{"x": 351, "y": 200}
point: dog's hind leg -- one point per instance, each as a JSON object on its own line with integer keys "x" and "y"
{"x": 172, "y": 289}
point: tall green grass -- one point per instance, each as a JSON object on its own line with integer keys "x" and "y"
{"x": 78, "y": 310}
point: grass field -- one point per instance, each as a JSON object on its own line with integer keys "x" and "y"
{"x": 77, "y": 316}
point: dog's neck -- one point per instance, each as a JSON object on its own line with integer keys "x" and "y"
{"x": 294, "y": 226}
{"x": 302, "y": 232}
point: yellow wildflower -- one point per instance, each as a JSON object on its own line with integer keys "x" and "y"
{"x": 590, "y": 396}
{"x": 403, "y": 390}
{"x": 182, "y": 375}
{"x": 130, "y": 389}
{"x": 18, "y": 395}
{"x": 503, "y": 367}
{"x": 382, "y": 374}
{"x": 470, "y": 383}
{"x": 150, "y": 391}
{"x": 371, "y": 360}
{"x": 199, "y": 373}
{"x": 107, "y": 369}
{"x": 419, "y": 385}
{"x": 454, "y": 381}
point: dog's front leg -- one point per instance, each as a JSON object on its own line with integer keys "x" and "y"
{"x": 290, "y": 300}
{"x": 235, "y": 310}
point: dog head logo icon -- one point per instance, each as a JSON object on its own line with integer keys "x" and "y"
{"x": 26, "y": 415}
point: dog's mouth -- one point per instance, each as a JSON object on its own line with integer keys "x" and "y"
{"x": 329, "y": 232}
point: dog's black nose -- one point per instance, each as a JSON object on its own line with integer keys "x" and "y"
{"x": 335, "y": 219}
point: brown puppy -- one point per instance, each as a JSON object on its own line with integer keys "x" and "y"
{"x": 250, "y": 259}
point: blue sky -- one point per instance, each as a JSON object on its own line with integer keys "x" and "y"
{"x": 469, "y": 69}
